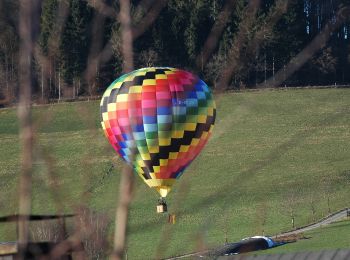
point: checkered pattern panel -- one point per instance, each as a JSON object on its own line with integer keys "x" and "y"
{"x": 164, "y": 115}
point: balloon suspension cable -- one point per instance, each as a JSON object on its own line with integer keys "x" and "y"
{"x": 162, "y": 207}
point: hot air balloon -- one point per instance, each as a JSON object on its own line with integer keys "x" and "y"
{"x": 158, "y": 120}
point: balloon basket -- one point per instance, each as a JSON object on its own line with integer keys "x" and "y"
{"x": 162, "y": 206}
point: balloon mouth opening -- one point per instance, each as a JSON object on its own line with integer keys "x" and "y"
{"x": 163, "y": 186}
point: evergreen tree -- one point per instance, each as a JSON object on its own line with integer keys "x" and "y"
{"x": 47, "y": 23}
{"x": 75, "y": 41}
{"x": 291, "y": 35}
{"x": 9, "y": 42}
{"x": 176, "y": 39}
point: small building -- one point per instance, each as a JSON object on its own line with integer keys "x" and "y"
{"x": 34, "y": 249}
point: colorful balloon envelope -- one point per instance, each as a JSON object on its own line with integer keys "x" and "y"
{"x": 158, "y": 120}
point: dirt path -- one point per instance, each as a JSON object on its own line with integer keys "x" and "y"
{"x": 325, "y": 221}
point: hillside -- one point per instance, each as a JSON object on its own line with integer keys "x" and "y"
{"x": 319, "y": 239}
{"x": 272, "y": 154}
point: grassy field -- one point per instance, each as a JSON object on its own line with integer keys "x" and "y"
{"x": 332, "y": 236}
{"x": 271, "y": 152}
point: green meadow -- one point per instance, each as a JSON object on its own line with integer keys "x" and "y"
{"x": 328, "y": 237}
{"x": 272, "y": 154}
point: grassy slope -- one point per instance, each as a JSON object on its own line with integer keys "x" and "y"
{"x": 332, "y": 236}
{"x": 267, "y": 146}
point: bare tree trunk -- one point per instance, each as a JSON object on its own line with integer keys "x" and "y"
{"x": 59, "y": 85}
{"x": 265, "y": 68}
{"x": 26, "y": 31}
{"x": 91, "y": 71}
{"x": 50, "y": 78}
{"x": 273, "y": 68}
{"x": 12, "y": 68}
{"x": 313, "y": 210}
{"x": 122, "y": 212}
{"x": 284, "y": 76}
{"x": 127, "y": 36}
{"x": 127, "y": 177}
{"x": 78, "y": 89}
{"x": 7, "y": 76}
{"x": 42, "y": 83}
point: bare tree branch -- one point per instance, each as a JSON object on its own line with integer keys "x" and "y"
{"x": 137, "y": 30}
{"x": 166, "y": 235}
{"x": 263, "y": 35}
{"x": 143, "y": 7}
{"x": 127, "y": 176}
{"x": 121, "y": 221}
{"x": 96, "y": 46}
{"x": 61, "y": 17}
{"x": 272, "y": 18}
{"x": 148, "y": 19}
{"x": 234, "y": 52}
{"x": 306, "y": 54}
{"x": 103, "y": 8}
{"x": 215, "y": 33}
{"x": 46, "y": 61}
{"x": 127, "y": 38}
{"x": 28, "y": 16}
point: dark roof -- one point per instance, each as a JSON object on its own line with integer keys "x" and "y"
{"x": 17, "y": 217}
{"x": 248, "y": 245}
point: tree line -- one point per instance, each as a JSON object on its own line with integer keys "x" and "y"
{"x": 78, "y": 43}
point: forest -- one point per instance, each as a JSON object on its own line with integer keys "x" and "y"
{"x": 232, "y": 44}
